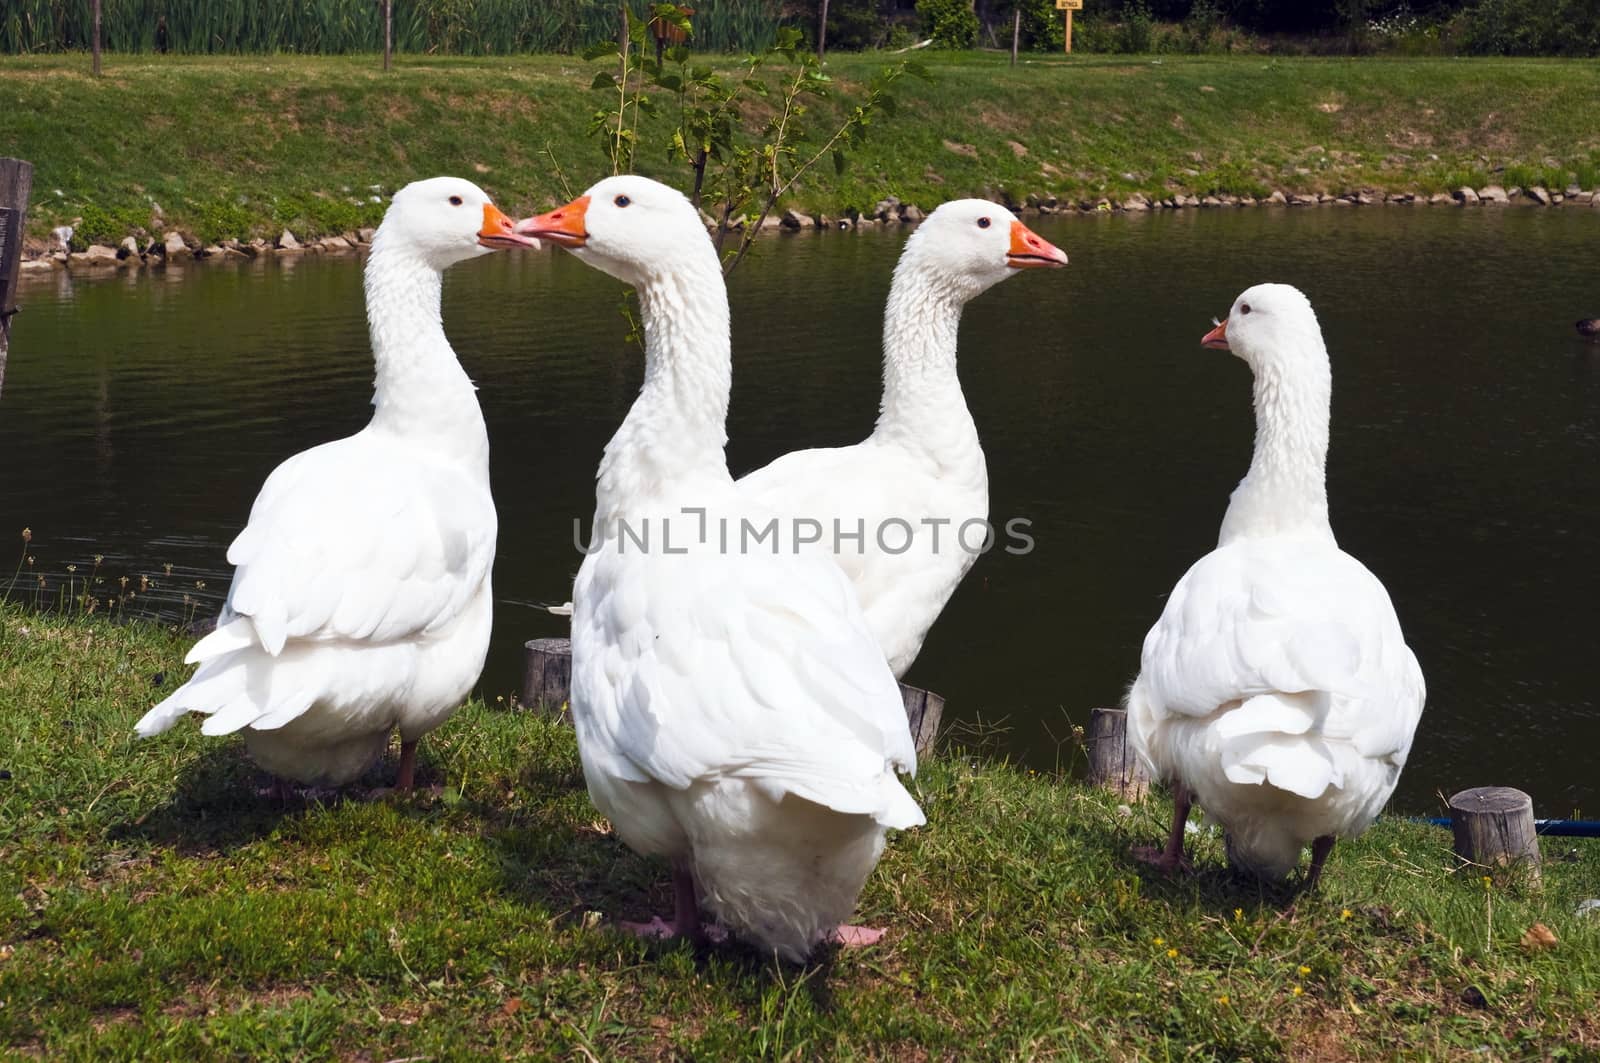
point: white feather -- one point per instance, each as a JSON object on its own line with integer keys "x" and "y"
{"x": 1277, "y": 684}
{"x": 732, "y": 708}
{"x": 921, "y": 475}
{"x": 360, "y": 600}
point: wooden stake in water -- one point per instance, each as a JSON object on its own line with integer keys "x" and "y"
{"x": 16, "y": 183}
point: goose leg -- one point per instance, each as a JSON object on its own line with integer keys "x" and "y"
{"x": 1170, "y": 858}
{"x": 685, "y": 916}
{"x": 408, "y": 767}
{"x": 1319, "y": 856}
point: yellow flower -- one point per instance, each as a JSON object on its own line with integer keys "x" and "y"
{"x": 1223, "y": 1000}
{"x": 1298, "y": 991}
{"x": 1345, "y": 914}
{"x": 1304, "y": 970}
{"x": 1160, "y": 942}
{"x": 1172, "y": 954}
{"x": 1238, "y": 914}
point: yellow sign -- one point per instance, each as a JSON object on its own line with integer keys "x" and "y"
{"x": 1069, "y": 5}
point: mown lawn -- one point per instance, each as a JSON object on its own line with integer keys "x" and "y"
{"x": 243, "y": 146}
{"x": 153, "y": 904}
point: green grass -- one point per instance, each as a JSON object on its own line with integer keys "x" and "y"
{"x": 243, "y": 146}
{"x": 153, "y": 905}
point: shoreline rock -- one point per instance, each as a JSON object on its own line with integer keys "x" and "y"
{"x": 172, "y": 246}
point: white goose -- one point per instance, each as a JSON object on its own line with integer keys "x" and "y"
{"x": 922, "y": 465}
{"x": 360, "y": 602}
{"x": 1276, "y": 689}
{"x": 733, "y": 713}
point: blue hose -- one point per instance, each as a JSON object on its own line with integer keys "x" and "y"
{"x": 1556, "y": 828}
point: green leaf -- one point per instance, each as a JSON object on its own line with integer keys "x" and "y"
{"x": 604, "y": 80}
{"x": 887, "y": 105}
{"x": 670, "y": 82}
{"x": 599, "y": 49}
{"x": 839, "y": 161}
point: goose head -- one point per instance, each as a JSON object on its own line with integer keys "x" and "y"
{"x": 970, "y": 245}
{"x": 1269, "y": 325}
{"x": 446, "y": 220}
{"x": 629, "y": 226}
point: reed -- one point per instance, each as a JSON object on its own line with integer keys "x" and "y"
{"x": 338, "y": 27}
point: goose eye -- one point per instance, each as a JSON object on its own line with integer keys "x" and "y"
{"x": 622, "y": 201}
{"x": 1244, "y": 308}
{"x": 455, "y": 201}
{"x": 983, "y": 223}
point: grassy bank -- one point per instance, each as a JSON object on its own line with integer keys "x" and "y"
{"x": 242, "y": 146}
{"x": 151, "y": 904}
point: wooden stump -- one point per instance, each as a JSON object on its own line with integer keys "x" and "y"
{"x": 923, "y": 712}
{"x": 547, "y": 678}
{"x": 1494, "y": 828}
{"x": 1113, "y": 763}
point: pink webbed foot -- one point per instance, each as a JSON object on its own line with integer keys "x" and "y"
{"x": 856, "y": 937}
{"x": 1162, "y": 860}
{"x": 661, "y": 929}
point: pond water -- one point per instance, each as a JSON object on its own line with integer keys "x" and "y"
{"x": 141, "y": 413}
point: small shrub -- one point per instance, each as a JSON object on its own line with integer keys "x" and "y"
{"x": 1528, "y": 27}
{"x": 100, "y": 226}
{"x": 949, "y": 23}
{"x": 1136, "y": 34}
{"x": 221, "y": 219}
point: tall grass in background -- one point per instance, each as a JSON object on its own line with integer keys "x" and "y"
{"x": 335, "y": 27}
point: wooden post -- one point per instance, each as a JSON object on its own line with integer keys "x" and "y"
{"x": 1113, "y": 763}
{"x": 1494, "y": 828}
{"x": 388, "y": 31}
{"x": 1016, "y": 31}
{"x": 16, "y": 183}
{"x": 822, "y": 32}
{"x": 1068, "y": 7}
{"x": 547, "y": 679}
{"x": 924, "y": 709}
{"x": 97, "y": 5}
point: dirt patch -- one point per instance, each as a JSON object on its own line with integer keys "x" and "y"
{"x": 961, "y": 149}
{"x": 1003, "y": 121}
{"x": 1017, "y": 149}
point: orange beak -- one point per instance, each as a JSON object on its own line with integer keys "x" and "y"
{"x": 1217, "y": 338}
{"x": 499, "y": 231}
{"x": 1029, "y": 250}
{"x": 564, "y": 225}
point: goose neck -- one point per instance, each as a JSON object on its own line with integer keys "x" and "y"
{"x": 923, "y": 403}
{"x": 676, "y": 430}
{"x": 419, "y": 388}
{"x": 1285, "y": 491}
